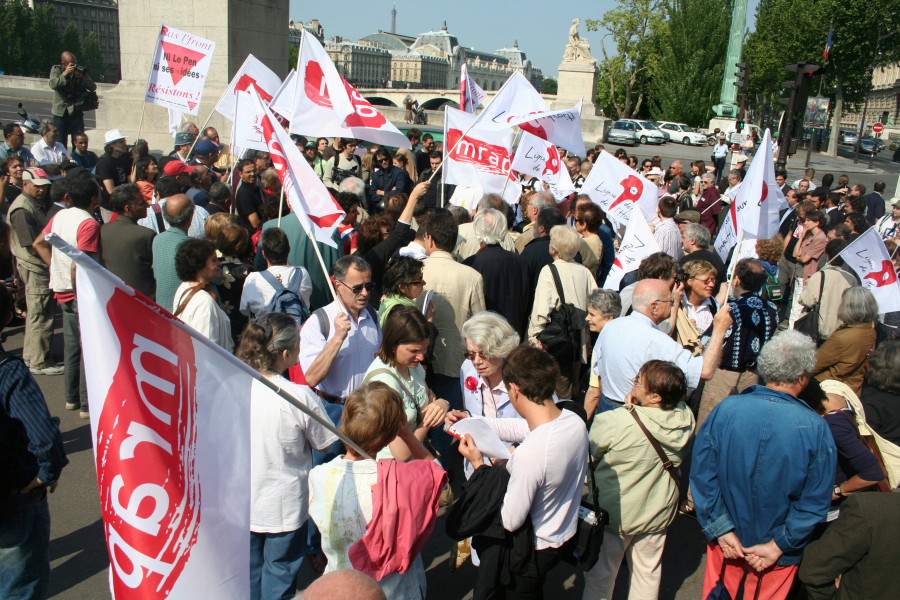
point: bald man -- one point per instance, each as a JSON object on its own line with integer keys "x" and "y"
{"x": 344, "y": 584}
{"x": 71, "y": 84}
{"x": 178, "y": 212}
{"x": 626, "y": 343}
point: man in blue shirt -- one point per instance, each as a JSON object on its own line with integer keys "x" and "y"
{"x": 31, "y": 459}
{"x": 763, "y": 474}
{"x": 13, "y": 146}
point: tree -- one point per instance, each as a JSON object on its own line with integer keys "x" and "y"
{"x": 43, "y": 42}
{"x": 71, "y": 40}
{"x": 293, "y": 53}
{"x": 550, "y": 85}
{"x": 633, "y": 27}
{"x": 91, "y": 58}
{"x": 15, "y": 22}
{"x": 691, "y": 64}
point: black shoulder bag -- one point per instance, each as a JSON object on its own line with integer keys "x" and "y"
{"x": 583, "y": 549}
{"x": 561, "y": 337}
{"x": 809, "y": 322}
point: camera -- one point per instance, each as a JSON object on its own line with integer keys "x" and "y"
{"x": 80, "y": 69}
{"x": 681, "y": 277}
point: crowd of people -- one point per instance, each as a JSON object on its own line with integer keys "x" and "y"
{"x": 684, "y": 390}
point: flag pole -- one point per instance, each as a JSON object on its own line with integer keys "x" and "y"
{"x": 515, "y": 145}
{"x": 86, "y": 263}
{"x": 206, "y": 122}
{"x": 280, "y": 204}
{"x": 461, "y": 138}
{"x": 733, "y": 264}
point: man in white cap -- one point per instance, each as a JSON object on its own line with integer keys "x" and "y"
{"x": 114, "y": 167}
{"x": 28, "y": 216}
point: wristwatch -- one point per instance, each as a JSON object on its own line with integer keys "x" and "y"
{"x": 838, "y": 491}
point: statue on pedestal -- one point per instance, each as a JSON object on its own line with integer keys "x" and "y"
{"x": 578, "y": 50}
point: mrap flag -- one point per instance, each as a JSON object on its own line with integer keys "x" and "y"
{"x": 170, "y": 426}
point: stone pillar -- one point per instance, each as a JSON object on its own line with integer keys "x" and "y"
{"x": 578, "y": 74}
{"x": 238, "y": 27}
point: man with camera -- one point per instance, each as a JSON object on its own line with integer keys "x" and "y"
{"x": 75, "y": 93}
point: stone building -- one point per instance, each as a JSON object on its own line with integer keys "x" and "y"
{"x": 362, "y": 63}
{"x": 884, "y": 102}
{"x": 416, "y": 70}
{"x": 99, "y": 16}
{"x": 313, "y": 27}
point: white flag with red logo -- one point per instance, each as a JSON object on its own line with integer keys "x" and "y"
{"x": 539, "y": 158}
{"x": 868, "y": 256}
{"x": 728, "y": 234}
{"x": 759, "y": 198}
{"x": 248, "y": 132}
{"x": 178, "y": 72}
{"x": 470, "y": 93}
{"x": 617, "y": 188}
{"x": 480, "y": 159}
{"x": 282, "y": 101}
{"x": 637, "y": 244}
{"x": 309, "y": 198}
{"x": 518, "y": 103}
{"x": 325, "y": 104}
{"x": 253, "y": 73}
{"x": 170, "y": 415}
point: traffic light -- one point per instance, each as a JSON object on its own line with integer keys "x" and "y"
{"x": 743, "y": 75}
{"x": 739, "y": 126}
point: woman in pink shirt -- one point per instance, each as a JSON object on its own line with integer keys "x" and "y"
{"x": 811, "y": 247}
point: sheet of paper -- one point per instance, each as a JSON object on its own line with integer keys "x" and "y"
{"x": 485, "y": 439}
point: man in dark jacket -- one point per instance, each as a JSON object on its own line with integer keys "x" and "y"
{"x": 505, "y": 273}
{"x": 71, "y": 83}
{"x": 387, "y": 180}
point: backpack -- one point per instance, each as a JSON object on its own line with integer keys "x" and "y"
{"x": 285, "y": 301}
{"x": 338, "y": 175}
{"x": 561, "y": 337}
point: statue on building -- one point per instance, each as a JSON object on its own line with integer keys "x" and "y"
{"x": 578, "y": 49}
{"x": 316, "y": 29}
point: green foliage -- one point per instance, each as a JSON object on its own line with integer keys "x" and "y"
{"x": 634, "y": 27}
{"x": 550, "y": 85}
{"x": 293, "y": 54}
{"x": 43, "y": 42}
{"x": 71, "y": 39}
{"x": 91, "y": 58}
{"x": 15, "y": 20}
{"x": 691, "y": 63}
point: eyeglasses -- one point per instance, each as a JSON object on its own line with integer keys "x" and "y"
{"x": 707, "y": 281}
{"x": 669, "y": 301}
{"x": 473, "y": 355}
{"x": 357, "y": 289}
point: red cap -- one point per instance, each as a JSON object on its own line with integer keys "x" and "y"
{"x": 176, "y": 167}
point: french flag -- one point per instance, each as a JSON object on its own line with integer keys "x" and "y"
{"x": 828, "y": 46}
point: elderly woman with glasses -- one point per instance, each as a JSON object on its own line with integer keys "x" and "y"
{"x": 603, "y": 306}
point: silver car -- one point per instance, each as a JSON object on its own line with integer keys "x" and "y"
{"x": 647, "y": 132}
{"x": 624, "y": 132}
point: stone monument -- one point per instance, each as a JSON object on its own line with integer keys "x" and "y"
{"x": 238, "y": 27}
{"x": 577, "y": 74}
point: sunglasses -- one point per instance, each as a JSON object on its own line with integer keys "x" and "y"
{"x": 473, "y": 355}
{"x": 357, "y": 289}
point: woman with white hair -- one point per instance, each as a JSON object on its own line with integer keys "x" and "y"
{"x": 576, "y": 283}
{"x": 843, "y": 356}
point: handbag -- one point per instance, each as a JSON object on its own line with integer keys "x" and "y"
{"x": 561, "y": 337}
{"x": 583, "y": 549}
{"x": 808, "y": 323}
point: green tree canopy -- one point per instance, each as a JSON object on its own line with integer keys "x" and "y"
{"x": 71, "y": 40}
{"x": 91, "y": 58}
{"x": 550, "y": 85}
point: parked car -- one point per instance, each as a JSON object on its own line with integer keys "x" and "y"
{"x": 624, "y": 132}
{"x": 647, "y": 132}
{"x": 684, "y": 134}
{"x": 870, "y": 145}
{"x": 848, "y": 138}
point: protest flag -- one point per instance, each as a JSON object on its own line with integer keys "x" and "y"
{"x": 308, "y": 197}
{"x": 617, "y": 188}
{"x": 170, "y": 428}
{"x": 253, "y": 73}
{"x": 759, "y": 199}
{"x": 541, "y": 159}
{"x": 868, "y": 256}
{"x": 637, "y": 244}
{"x": 477, "y": 158}
{"x": 178, "y": 71}
{"x": 325, "y": 104}
{"x": 470, "y": 93}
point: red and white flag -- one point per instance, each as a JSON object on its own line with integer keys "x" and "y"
{"x": 282, "y": 101}
{"x": 518, "y": 103}
{"x": 637, "y": 244}
{"x": 617, "y": 188}
{"x": 470, "y": 93}
{"x": 178, "y": 72}
{"x": 253, "y": 73}
{"x": 314, "y": 205}
{"x": 481, "y": 159}
{"x": 759, "y": 198}
{"x": 170, "y": 414}
{"x": 868, "y": 256}
{"x": 325, "y": 104}
{"x": 539, "y": 158}
{"x": 247, "y": 132}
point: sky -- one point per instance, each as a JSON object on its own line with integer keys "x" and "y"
{"x": 540, "y": 26}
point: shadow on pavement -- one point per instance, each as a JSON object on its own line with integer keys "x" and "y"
{"x": 87, "y": 548}
{"x": 78, "y": 439}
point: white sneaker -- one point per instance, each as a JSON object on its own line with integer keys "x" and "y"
{"x": 48, "y": 370}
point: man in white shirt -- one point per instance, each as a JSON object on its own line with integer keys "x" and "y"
{"x": 547, "y": 471}
{"x": 667, "y": 234}
{"x": 48, "y": 150}
{"x": 720, "y": 151}
{"x": 339, "y": 341}
{"x": 626, "y": 343}
{"x": 809, "y": 177}
{"x": 258, "y": 292}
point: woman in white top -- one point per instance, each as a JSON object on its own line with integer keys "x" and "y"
{"x": 195, "y": 303}
{"x": 340, "y": 491}
{"x": 281, "y": 441}
{"x": 259, "y": 293}
{"x": 399, "y": 365}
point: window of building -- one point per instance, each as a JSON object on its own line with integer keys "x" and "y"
{"x": 103, "y": 42}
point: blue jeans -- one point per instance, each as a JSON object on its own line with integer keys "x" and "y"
{"x": 447, "y": 388}
{"x": 76, "y": 385}
{"x": 25, "y": 548}
{"x": 607, "y": 404}
{"x": 275, "y": 560}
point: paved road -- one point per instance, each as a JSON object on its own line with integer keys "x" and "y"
{"x": 36, "y": 103}
{"x": 79, "y": 559}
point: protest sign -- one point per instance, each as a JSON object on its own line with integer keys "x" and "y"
{"x": 617, "y": 188}
{"x": 253, "y": 73}
{"x": 868, "y": 256}
{"x": 637, "y": 244}
{"x": 178, "y": 72}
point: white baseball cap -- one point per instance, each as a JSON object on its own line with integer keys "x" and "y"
{"x": 112, "y": 135}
